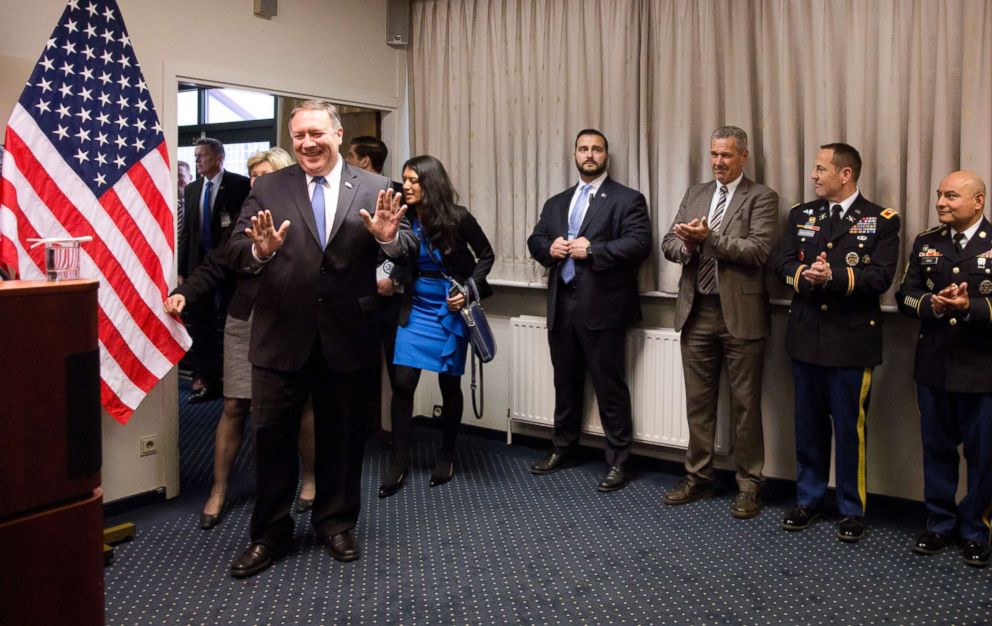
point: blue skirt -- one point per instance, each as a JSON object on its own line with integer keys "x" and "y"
{"x": 434, "y": 338}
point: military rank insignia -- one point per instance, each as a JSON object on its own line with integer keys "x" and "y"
{"x": 865, "y": 226}
{"x": 911, "y": 302}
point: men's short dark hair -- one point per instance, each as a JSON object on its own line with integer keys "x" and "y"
{"x": 371, "y": 147}
{"x": 215, "y": 145}
{"x": 593, "y": 131}
{"x": 845, "y": 156}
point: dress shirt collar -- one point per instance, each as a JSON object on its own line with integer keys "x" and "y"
{"x": 333, "y": 177}
{"x": 846, "y": 203}
{"x": 969, "y": 232}
{"x": 596, "y": 184}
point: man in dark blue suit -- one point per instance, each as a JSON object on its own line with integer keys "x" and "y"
{"x": 592, "y": 237}
{"x": 947, "y": 286}
{"x": 211, "y": 206}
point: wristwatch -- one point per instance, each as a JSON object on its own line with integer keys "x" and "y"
{"x": 589, "y": 250}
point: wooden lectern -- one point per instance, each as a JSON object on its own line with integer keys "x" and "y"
{"x": 51, "y": 504}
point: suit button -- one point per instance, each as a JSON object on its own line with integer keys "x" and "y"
{"x": 861, "y": 245}
{"x": 323, "y": 270}
{"x": 871, "y": 323}
{"x": 320, "y": 300}
{"x": 955, "y": 271}
{"x": 823, "y": 307}
{"x": 953, "y": 321}
{"x": 830, "y": 246}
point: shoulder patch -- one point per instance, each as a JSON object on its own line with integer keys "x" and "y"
{"x": 889, "y": 213}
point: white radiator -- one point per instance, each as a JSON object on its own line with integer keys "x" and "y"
{"x": 654, "y": 374}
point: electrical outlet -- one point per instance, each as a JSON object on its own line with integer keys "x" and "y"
{"x": 437, "y": 410}
{"x": 148, "y": 445}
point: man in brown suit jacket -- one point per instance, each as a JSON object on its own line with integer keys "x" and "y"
{"x": 722, "y": 236}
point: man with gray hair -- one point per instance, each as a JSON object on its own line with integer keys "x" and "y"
{"x": 722, "y": 237}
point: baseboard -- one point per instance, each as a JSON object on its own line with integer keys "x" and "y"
{"x": 130, "y": 503}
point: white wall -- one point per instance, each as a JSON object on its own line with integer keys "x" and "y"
{"x": 332, "y": 49}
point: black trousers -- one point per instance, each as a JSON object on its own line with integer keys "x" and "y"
{"x": 205, "y": 323}
{"x": 342, "y": 402}
{"x": 575, "y": 349}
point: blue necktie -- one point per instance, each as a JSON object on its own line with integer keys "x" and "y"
{"x": 317, "y": 202}
{"x": 574, "y": 224}
{"x": 208, "y": 240}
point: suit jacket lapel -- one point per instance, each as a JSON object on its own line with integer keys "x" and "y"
{"x": 851, "y": 218}
{"x": 564, "y": 205}
{"x": 346, "y": 196}
{"x": 740, "y": 194}
{"x": 302, "y": 201}
{"x": 596, "y": 205}
{"x": 976, "y": 245}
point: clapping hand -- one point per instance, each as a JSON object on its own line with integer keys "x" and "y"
{"x": 952, "y": 298}
{"x": 388, "y": 214}
{"x": 819, "y": 273}
{"x": 692, "y": 233}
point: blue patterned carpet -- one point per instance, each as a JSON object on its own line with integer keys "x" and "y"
{"x": 500, "y": 546}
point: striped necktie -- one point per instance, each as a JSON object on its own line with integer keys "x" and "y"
{"x": 706, "y": 277}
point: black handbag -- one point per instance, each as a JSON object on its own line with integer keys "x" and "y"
{"x": 479, "y": 331}
{"x": 480, "y": 336}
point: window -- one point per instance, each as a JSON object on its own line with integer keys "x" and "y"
{"x": 244, "y": 121}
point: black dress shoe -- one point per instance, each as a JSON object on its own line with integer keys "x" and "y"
{"x": 443, "y": 472}
{"x": 552, "y": 463}
{"x": 208, "y": 521}
{"x": 392, "y": 485}
{"x": 851, "y": 528}
{"x": 343, "y": 547}
{"x": 976, "y": 553}
{"x": 930, "y": 543}
{"x": 204, "y": 394}
{"x": 304, "y": 504}
{"x": 258, "y": 557}
{"x": 801, "y": 517}
{"x": 616, "y": 478}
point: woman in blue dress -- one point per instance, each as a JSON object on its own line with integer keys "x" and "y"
{"x": 432, "y": 335}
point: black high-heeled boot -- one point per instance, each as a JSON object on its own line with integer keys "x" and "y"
{"x": 394, "y": 481}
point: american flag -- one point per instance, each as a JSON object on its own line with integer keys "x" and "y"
{"x": 85, "y": 155}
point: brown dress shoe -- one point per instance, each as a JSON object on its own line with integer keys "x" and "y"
{"x": 746, "y": 505}
{"x": 689, "y": 490}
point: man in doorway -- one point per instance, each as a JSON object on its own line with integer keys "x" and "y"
{"x": 212, "y": 204}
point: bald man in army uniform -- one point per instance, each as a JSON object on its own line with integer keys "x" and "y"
{"x": 839, "y": 254}
{"x": 947, "y": 286}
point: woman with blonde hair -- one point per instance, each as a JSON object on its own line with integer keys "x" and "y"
{"x": 237, "y": 369}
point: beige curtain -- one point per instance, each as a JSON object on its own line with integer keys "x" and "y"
{"x": 499, "y": 89}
